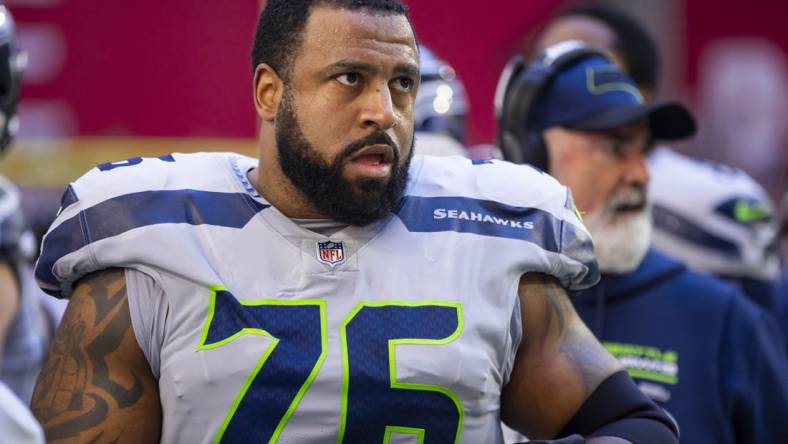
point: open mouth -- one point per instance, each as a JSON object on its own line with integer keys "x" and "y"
{"x": 374, "y": 155}
{"x": 630, "y": 207}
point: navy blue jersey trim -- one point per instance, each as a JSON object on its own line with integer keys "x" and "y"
{"x": 69, "y": 197}
{"x": 123, "y": 213}
{"x": 679, "y": 226}
{"x": 486, "y": 218}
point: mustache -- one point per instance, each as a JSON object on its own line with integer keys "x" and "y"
{"x": 376, "y": 138}
{"x": 633, "y": 198}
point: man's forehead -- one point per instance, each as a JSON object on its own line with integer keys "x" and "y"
{"x": 333, "y": 31}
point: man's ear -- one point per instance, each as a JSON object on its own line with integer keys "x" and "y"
{"x": 268, "y": 90}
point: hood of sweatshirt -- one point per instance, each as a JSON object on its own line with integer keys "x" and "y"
{"x": 655, "y": 269}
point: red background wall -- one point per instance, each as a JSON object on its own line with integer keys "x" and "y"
{"x": 708, "y": 20}
{"x": 181, "y": 67}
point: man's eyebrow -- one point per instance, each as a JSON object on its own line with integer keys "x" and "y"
{"x": 407, "y": 69}
{"x": 351, "y": 65}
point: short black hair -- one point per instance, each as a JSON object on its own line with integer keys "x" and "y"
{"x": 632, "y": 40}
{"x": 282, "y": 22}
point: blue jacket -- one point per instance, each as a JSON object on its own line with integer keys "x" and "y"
{"x": 698, "y": 347}
{"x": 781, "y": 303}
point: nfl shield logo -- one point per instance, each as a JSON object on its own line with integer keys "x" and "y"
{"x": 331, "y": 253}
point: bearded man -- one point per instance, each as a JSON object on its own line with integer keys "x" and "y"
{"x": 696, "y": 345}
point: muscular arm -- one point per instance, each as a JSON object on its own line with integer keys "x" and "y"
{"x": 96, "y": 385}
{"x": 558, "y": 365}
{"x": 9, "y": 302}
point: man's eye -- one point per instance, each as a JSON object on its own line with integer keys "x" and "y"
{"x": 404, "y": 84}
{"x": 349, "y": 79}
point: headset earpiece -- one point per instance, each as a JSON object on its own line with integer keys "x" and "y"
{"x": 519, "y": 87}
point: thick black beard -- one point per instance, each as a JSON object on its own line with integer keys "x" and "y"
{"x": 356, "y": 203}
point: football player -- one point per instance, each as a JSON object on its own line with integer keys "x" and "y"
{"x": 338, "y": 288}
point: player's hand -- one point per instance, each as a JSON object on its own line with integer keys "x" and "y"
{"x": 572, "y": 439}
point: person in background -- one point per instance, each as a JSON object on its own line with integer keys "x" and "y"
{"x": 781, "y": 289}
{"x": 17, "y": 424}
{"x": 694, "y": 211}
{"x": 716, "y": 219}
{"x": 693, "y": 343}
{"x": 625, "y": 39}
{"x": 24, "y": 329}
{"x": 441, "y": 109}
{"x": 22, "y": 339}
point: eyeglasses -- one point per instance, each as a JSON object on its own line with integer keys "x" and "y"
{"x": 618, "y": 144}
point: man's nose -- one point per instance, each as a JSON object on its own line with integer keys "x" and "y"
{"x": 378, "y": 108}
{"x": 636, "y": 168}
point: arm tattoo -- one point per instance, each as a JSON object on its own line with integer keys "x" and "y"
{"x": 559, "y": 362}
{"x": 584, "y": 354}
{"x": 576, "y": 343}
{"x": 79, "y": 388}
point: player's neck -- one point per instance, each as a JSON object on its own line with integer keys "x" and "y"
{"x": 276, "y": 188}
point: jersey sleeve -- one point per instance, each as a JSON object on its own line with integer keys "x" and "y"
{"x": 69, "y": 235}
{"x": 558, "y": 228}
{"x": 578, "y": 267}
{"x": 566, "y": 241}
{"x": 123, "y": 214}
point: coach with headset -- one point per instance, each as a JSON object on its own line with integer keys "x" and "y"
{"x": 693, "y": 343}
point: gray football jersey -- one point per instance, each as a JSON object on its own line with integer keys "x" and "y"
{"x": 27, "y": 337}
{"x": 260, "y": 330}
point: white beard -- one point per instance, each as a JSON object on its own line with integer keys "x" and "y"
{"x": 620, "y": 241}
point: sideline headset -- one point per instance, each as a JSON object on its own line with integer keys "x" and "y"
{"x": 519, "y": 87}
